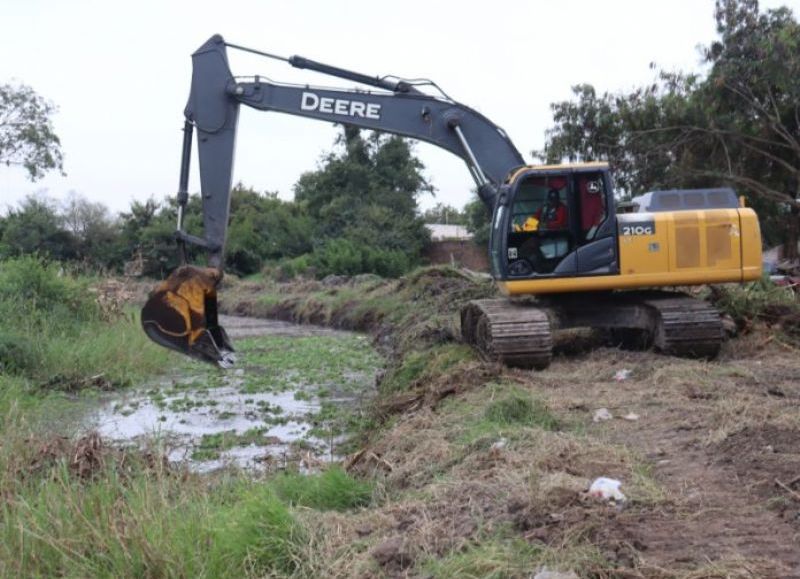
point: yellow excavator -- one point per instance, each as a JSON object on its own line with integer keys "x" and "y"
{"x": 555, "y": 230}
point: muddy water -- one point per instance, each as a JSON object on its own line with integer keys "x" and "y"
{"x": 288, "y": 401}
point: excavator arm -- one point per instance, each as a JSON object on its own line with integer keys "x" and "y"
{"x": 181, "y": 313}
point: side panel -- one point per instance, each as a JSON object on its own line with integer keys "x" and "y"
{"x": 643, "y": 243}
{"x": 705, "y": 240}
{"x": 751, "y": 245}
{"x": 670, "y": 249}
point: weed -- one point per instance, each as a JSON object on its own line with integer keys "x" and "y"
{"x": 494, "y": 558}
{"x": 331, "y": 490}
{"x": 520, "y": 409}
{"x": 759, "y": 299}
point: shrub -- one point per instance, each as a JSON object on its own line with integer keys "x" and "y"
{"x": 31, "y": 286}
{"x": 17, "y": 353}
{"x": 291, "y": 268}
{"x": 760, "y": 299}
{"x": 345, "y": 257}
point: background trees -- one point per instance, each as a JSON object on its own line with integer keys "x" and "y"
{"x": 355, "y": 213}
{"x": 738, "y": 124}
{"x": 362, "y": 204}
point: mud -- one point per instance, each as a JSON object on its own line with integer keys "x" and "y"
{"x": 253, "y": 417}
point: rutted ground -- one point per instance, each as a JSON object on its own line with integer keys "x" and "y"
{"x": 288, "y": 400}
{"x": 483, "y": 467}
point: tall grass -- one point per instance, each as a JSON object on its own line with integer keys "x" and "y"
{"x": 137, "y": 522}
{"x": 127, "y": 514}
{"x": 332, "y": 490}
{"x": 53, "y": 332}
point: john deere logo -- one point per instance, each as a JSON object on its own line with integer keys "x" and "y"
{"x": 347, "y": 108}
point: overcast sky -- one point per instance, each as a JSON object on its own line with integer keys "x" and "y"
{"x": 119, "y": 73}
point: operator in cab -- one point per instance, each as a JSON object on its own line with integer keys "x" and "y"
{"x": 550, "y": 216}
{"x": 553, "y": 214}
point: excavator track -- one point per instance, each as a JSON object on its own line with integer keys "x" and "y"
{"x": 515, "y": 334}
{"x": 685, "y": 326}
{"x": 519, "y": 333}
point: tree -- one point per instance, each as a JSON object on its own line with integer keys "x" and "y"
{"x": 262, "y": 228}
{"x": 36, "y": 227}
{"x": 478, "y": 218}
{"x": 148, "y": 231}
{"x": 443, "y": 213}
{"x": 27, "y": 137}
{"x": 366, "y": 192}
{"x": 95, "y": 231}
{"x": 739, "y": 124}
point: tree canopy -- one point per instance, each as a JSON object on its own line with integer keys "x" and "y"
{"x": 362, "y": 202}
{"x": 27, "y": 137}
{"x": 737, "y": 124}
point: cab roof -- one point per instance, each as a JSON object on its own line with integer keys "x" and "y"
{"x": 562, "y": 167}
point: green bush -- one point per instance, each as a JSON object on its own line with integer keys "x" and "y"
{"x": 291, "y": 268}
{"x": 32, "y": 287}
{"x": 17, "y": 353}
{"x": 345, "y": 257}
{"x": 760, "y": 299}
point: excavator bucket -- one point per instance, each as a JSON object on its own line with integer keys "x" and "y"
{"x": 181, "y": 314}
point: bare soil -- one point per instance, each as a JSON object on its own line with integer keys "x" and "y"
{"x": 722, "y": 439}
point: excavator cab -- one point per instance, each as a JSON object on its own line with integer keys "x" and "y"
{"x": 556, "y": 222}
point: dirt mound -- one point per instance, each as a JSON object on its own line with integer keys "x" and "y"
{"x": 767, "y": 460}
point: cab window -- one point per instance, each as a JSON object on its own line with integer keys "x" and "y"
{"x": 592, "y": 199}
{"x": 539, "y": 234}
{"x": 540, "y": 204}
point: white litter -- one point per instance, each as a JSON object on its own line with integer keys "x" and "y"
{"x": 622, "y": 375}
{"x": 607, "y": 489}
{"x": 546, "y": 573}
{"x": 499, "y": 445}
{"x": 601, "y": 415}
{"x": 631, "y": 416}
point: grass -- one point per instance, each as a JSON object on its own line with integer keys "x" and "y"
{"x": 431, "y": 471}
{"x": 146, "y": 524}
{"x": 495, "y": 558}
{"x": 331, "y": 490}
{"x": 520, "y": 409}
{"x": 80, "y": 509}
{"x": 55, "y": 334}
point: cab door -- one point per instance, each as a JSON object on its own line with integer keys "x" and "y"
{"x": 596, "y": 252}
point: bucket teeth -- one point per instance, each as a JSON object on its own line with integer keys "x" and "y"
{"x": 181, "y": 314}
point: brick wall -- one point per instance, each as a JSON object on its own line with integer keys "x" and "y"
{"x": 464, "y": 252}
